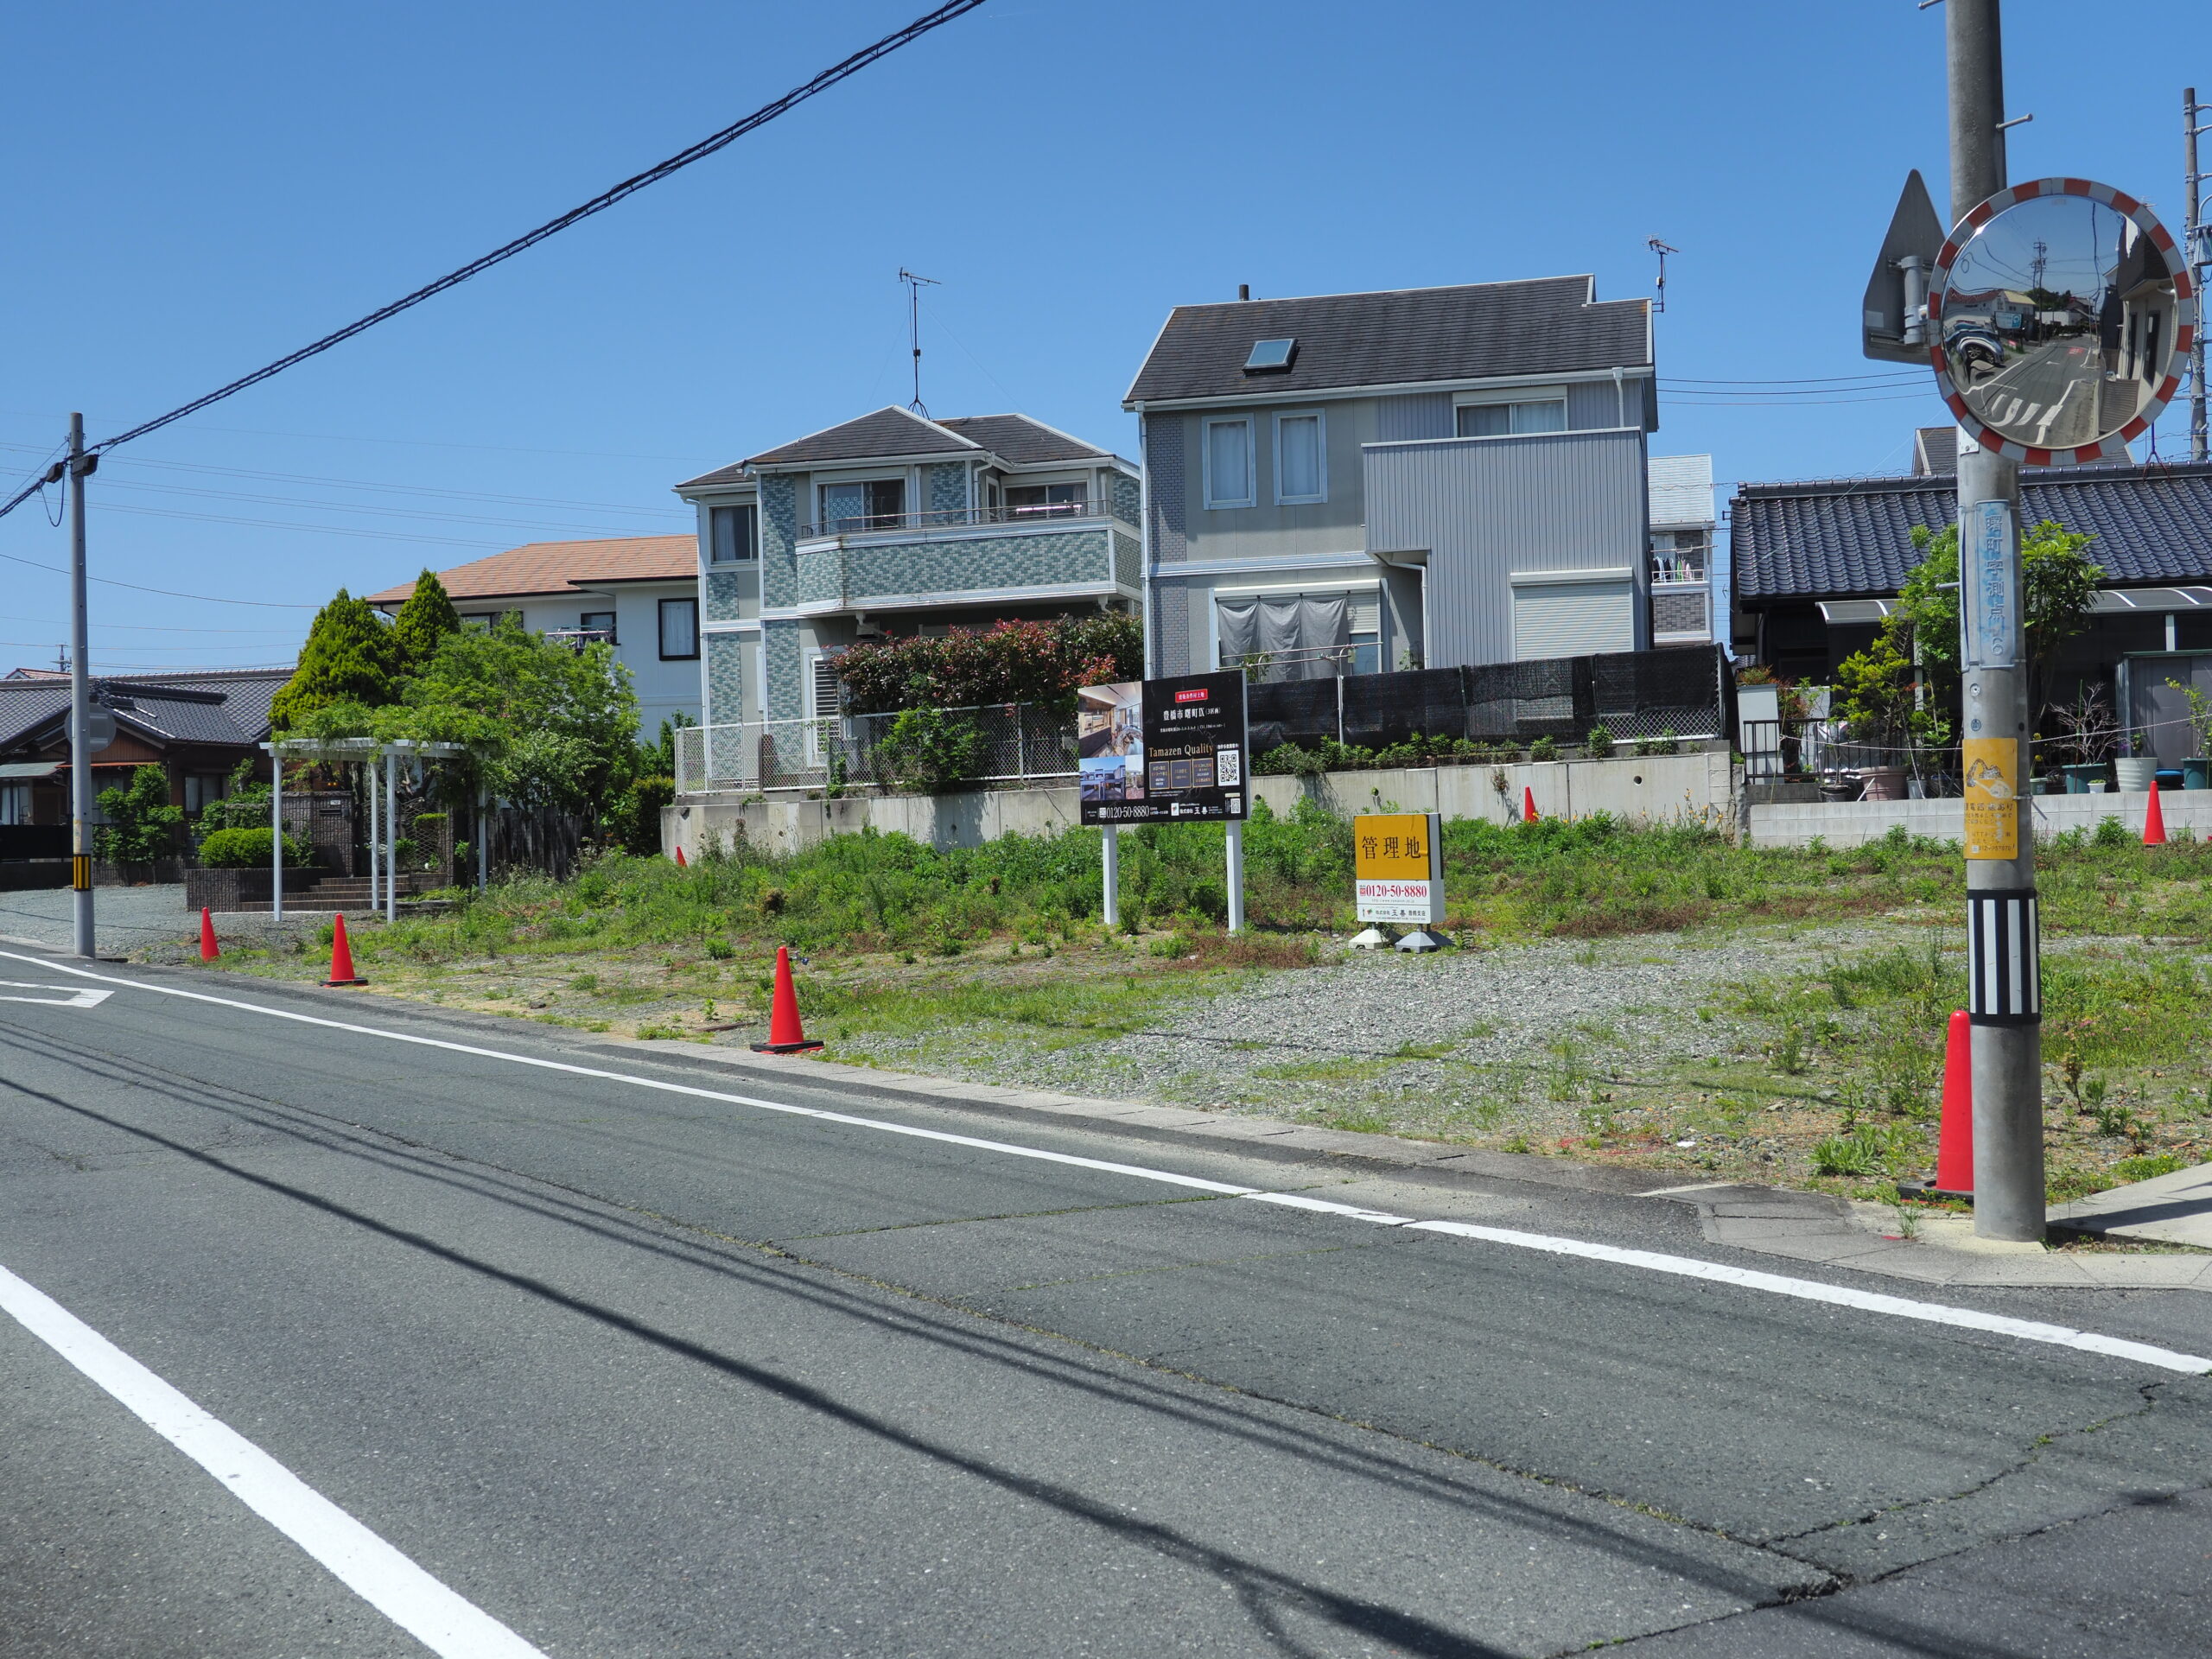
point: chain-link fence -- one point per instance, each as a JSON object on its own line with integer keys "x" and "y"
{"x": 1006, "y": 746}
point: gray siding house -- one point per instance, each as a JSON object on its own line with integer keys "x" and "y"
{"x": 892, "y": 524}
{"x": 1350, "y": 483}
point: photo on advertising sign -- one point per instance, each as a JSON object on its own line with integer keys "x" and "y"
{"x": 1398, "y": 868}
{"x": 1162, "y": 749}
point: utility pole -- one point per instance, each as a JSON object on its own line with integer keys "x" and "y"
{"x": 81, "y": 698}
{"x": 2197, "y": 256}
{"x": 2002, "y": 928}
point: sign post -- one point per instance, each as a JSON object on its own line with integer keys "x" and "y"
{"x": 1398, "y": 876}
{"x": 1164, "y": 750}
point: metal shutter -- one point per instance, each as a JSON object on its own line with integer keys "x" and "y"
{"x": 1366, "y": 610}
{"x": 1571, "y": 619}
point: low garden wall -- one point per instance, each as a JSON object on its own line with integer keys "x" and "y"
{"x": 1853, "y": 823}
{"x": 1695, "y": 788}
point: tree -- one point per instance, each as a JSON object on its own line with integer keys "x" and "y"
{"x": 557, "y": 727}
{"x": 1010, "y": 662}
{"x": 349, "y": 657}
{"x": 2060, "y": 586}
{"x": 142, "y": 825}
{"x": 427, "y": 618}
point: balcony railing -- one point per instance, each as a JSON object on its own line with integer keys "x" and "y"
{"x": 875, "y": 524}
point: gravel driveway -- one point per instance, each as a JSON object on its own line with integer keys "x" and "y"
{"x": 124, "y": 919}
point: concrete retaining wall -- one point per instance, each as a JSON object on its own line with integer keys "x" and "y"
{"x": 1656, "y": 789}
{"x": 1853, "y": 823}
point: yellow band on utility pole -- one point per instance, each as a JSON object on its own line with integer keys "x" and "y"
{"x": 80, "y": 872}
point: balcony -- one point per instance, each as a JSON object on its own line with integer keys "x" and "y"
{"x": 967, "y": 555}
{"x": 1682, "y": 601}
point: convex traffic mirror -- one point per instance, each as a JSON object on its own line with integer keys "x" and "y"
{"x": 2062, "y": 313}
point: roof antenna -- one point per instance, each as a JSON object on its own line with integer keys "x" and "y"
{"x": 914, "y": 329}
{"x": 1659, "y": 304}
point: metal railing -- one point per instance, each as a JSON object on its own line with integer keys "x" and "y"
{"x": 1002, "y": 746}
{"x": 1307, "y": 663}
{"x": 877, "y": 523}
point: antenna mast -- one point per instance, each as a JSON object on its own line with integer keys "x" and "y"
{"x": 914, "y": 329}
{"x": 1659, "y": 304}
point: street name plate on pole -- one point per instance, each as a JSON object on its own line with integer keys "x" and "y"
{"x": 1989, "y": 595}
{"x": 99, "y": 727}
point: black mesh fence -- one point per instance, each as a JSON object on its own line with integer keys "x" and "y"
{"x": 1634, "y": 694}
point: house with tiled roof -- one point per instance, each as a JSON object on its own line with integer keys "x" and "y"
{"x": 196, "y": 725}
{"x": 897, "y": 523}
{"x": 1350, "y": 483}
{"x": 1817, "y": 565}
{"x": 639, "y": 593}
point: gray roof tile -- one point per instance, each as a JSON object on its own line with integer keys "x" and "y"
{"x": 1021, "y": 440}
{"x": 893, "y": 431}
{"x": 1552, "y": 325}
{"x": 1845, "y": 538}
{"x": 221, "y": 706}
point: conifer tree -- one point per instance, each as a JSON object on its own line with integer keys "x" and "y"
{"x": 349, "y": 657}
{"x": 426, "y": 617}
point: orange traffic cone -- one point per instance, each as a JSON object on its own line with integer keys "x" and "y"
{"x": 1955, "y": 1142}
{"x": 2154, "y": 820}
{"x": 1528, "y": 804}
{"x": 207, "y": 951}
{"x": 680, "y": 864}
{"x": 341, "y": 957}
{"x": 785, "y": 1035}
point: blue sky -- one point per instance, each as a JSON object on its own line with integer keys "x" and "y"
{"x": 197, "y": 190}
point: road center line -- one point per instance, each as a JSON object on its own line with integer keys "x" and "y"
{"x": 435, "y": 1616}
{"x": 1966, "y": 1319}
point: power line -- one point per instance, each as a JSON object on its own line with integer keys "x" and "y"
{"x": 629, "y": 187}
{"x": 110, "y": 582}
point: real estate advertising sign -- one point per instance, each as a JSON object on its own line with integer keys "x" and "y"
{"x": 1398, "y": 865}
{"x": 1153, "y": 750}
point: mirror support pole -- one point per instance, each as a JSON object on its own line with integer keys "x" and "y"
{"x": 2007, "y": 1048}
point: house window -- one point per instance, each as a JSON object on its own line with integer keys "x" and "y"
{"x": 1500, "y": 420}
{"x": 679, "y": 629}
{"x": 1046, "y": 501}
{"x": 1284, "y": 634}
{"x": 489, "y": 619}
{"x": 1229, "y": 463}
{"x": 599, "y": 622}
{"x": 1301, "y": 463}
{"x": 825, "y": 701}
{"x": 201, "y": 789}
{"x": 15, "y": 803}
{"x": 734, "y": 535}
{"x": 874, "y": 503}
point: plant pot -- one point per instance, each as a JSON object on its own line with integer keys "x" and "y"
{"x": 2078, "y": 776}
{"x": 2135, "y": 773}
{"x": 1883, "y": 784}
{"x": 2196, "y": 773}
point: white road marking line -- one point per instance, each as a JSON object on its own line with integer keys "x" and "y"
{"x": 357, "y": 1557}
{"x": 72, "y": 996}
{"x": 1682, "y": 1266}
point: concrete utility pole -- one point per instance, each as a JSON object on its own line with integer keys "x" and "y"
{"x": 2193, "y": 255}
{"x": 81, "y": 698}
{"x": 2002, "y": 930}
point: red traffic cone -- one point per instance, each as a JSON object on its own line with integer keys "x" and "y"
{"x": 341, "y": 957}
{"x": 1955, "y": 1142}
{"x": 1528, "y": 804}
{"x": 2154, "y": 820}
{"x": 680, "y": 864}
{"x": 785, "y": 1035}
{"x": 207, "y": 950}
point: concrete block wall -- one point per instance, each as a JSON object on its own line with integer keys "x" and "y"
{"x": 1697, "y": 788}
{"x": 1853, "y": 823}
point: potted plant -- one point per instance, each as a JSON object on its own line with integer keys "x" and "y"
{"x": 2197, "y": 765}
{"x": 2133, "y": 767}
{"x": 2085, "y": 738}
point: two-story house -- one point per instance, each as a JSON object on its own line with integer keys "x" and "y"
{"x": 1431, "y": 477}
{"x": 638, "y": 593}
{"x": 896, "y": 523}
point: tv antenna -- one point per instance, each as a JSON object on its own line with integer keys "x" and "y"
{"x": 1659, "y": 304}
{"x": 914, "y": 329}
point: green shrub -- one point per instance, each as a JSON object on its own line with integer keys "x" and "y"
{"x": 2112, "y": 832}
{"x": 1599, "y": 744}
{"x": 247, "y": 850}
{"x": 142, "y": 825}
{"x": 932, "y": 748}
{"x": 1544, "y": 748}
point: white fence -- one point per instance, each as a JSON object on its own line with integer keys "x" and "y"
{"x": 1005, "y": 746}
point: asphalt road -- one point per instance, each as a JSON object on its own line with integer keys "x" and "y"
{"x": 2048, "y": 397}
{"x": 632, "y": 1366}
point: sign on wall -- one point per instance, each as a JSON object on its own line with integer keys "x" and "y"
{"x": 1398, "y": 868}
{"x": 1155, "y": 750}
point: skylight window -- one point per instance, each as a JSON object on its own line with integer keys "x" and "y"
{"x": 1270, "y": 356}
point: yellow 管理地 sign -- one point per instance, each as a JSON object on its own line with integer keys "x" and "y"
{"x": 1993, "y": 802}
{"x": 1390, "y": 847}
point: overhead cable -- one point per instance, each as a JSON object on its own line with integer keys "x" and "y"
{"x": 599, "y": 204}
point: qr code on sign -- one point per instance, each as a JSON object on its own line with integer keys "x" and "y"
{"x": 1228, "y": 767}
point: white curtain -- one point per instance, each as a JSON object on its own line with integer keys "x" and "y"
{"x": 1299, "y": 438}
{"x": 1229, "y": 460}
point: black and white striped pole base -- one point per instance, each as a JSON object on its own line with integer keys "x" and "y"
{"x": 2005, "y": 1006}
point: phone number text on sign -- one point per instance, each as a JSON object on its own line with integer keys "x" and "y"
{"x": 1398, "y": 901}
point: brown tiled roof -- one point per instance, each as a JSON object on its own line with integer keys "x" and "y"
{"x": 561, "y": 567}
